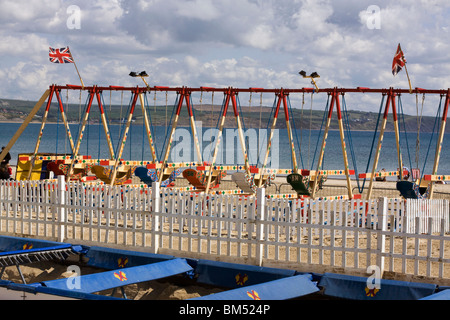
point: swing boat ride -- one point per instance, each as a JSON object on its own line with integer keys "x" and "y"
{"x": 206, "y": 176}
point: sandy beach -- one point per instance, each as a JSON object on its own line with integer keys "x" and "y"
{"x": 173, "y": 290}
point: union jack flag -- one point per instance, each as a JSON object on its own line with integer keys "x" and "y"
{"x": 61, "y": 55}
{"x": 399, "y": 61}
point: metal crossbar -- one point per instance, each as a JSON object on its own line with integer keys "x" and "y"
{"x": 34, "y": 255}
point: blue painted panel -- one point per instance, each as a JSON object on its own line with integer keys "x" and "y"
{"x": 111, "y": 259}
{"x": 441, "y": 295}
{"x": 121, "y": 277}
{"x": 283, "y": 289}
{"x": 14, "y": 243}
{"x": 351, "y": 287}
{"x": 231, "y": 275}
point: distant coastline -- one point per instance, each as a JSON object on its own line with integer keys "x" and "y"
{"x": 15, "y": 111}
{"x": 140, "y": 123}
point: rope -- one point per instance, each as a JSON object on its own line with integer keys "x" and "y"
{"x": 267, "y": 127}
{"x": 310, "y": 130}
{"x": 350, "y": 141}
{"x": 404, "y": 129}
{"x": 246, "y": 144}
{"x": 147, "y": 108}
{"x": 301, "y": 127}
{"x": 432, "y": 135}
{"x": 373, "y": 143}
{"x": 320, "y": 130}
{"x": 108, "y": 121}
{"x": 295, "y": 129}
{"x": 167, "y": 128}
{"x": 122, "y": 131}
{"x": 419, "y": 124}
{"x": 57, "y": 131}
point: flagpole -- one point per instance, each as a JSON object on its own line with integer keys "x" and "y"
{"x": 82, "y": 83}
{"x": 409, "y": 81}
{"x": 406, "y": 69}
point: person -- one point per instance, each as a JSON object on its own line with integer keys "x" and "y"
{"x": 6, "y": 159}
{"x": 381, "y": 178}
{"x": 5, "y": 170}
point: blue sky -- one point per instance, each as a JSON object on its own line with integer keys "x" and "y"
{"x": 239, "y": 43}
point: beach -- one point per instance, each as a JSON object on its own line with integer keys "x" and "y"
{"x": 171, "y": 289}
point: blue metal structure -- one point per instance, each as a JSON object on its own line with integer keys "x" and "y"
{"x": 237, "y": 281}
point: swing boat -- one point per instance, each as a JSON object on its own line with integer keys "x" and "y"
{"x": 104, "y": 174}
{"x": 199, "y": 178}
{"x": 38, "y": 166}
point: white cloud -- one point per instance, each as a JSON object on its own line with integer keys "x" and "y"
{"x": 241, "y": 43}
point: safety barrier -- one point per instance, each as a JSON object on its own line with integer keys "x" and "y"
{"x": 349, "y": 234}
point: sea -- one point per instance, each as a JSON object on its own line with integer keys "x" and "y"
{"x": 418, "y": 151}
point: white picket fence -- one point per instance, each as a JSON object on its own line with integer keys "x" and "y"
{"x": 436, "y": 209}
{"x": 303, "y": 234}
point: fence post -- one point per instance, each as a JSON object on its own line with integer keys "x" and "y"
{"x": 259, "y": 219}
{"x": 382, "y": 227}
{"x": 61, "y": 208}
{"x": 156, "y": 218}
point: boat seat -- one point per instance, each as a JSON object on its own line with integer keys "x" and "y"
{"x": 199, "y": 179}
{"x": 411, "y": 190}
{"x": 247, "y": 183}
{"x": 104, "y": 174}
{"x": 148, "y": 176}
{"x": 296, "y": 182}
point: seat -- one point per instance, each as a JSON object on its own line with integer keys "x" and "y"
{"x": 199, "y": 179}
{"x": 297, "y": 183}
{"x": 104, "y": 174}
{"x": 411, "y": 190}
{"x": 247, "y": 183}
{"x": 148, "y": 176}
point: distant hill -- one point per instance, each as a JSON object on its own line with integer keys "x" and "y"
{"x": 254, "y": 117}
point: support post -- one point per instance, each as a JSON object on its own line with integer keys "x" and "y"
{"x": 172, "y": 131}
{"x": 156, "y": 218}
{"x": 148, "y": 128}
{"x": 240, "y": 132}
{"x": 193, "y": 127}
{"x": 269, "y": 140}
{"x": 344, "y": 148}
{"x": 260, "y": 218}
{"x": 64, "y": 118}
{"x": 61, "y": 208}
{"x": 324, "y": 143}
{"x": 80, "y": 133}
{"x": 439, "y": 142}
{"x": 380, "y": 142}
{"x": 289, "y": 131}
{"x": 219, "y": 138}
{"x": 105, "y": 125}
{"x": 397, "y": 137}
{"x": 124, "y": 138}
{"x": 382, "y": 227}
{"x": 41, "y": 131}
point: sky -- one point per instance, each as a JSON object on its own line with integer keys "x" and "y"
{"x": 222, "y": 43}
